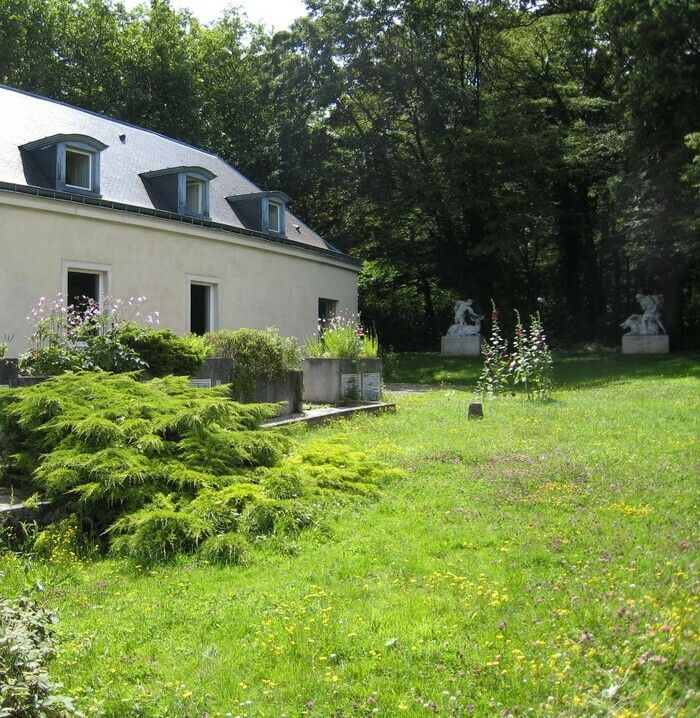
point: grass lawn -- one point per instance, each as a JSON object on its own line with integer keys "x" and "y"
{"x": 543, "y": 561}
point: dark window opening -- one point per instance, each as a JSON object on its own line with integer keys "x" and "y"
{"x": 327, "y": 309}
{"x": 200, "y": 296}
{"x": 78, "y": 169}
{"x": 82, "y": 287}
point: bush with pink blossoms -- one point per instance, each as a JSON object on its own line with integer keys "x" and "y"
{"x": 83, "y": 336}
{"x": 529, "y": 365}
{"x": 342, "y": 337}
{"x": 495, "y": 375}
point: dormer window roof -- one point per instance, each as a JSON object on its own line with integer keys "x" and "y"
{"x": 69, "y": 163}
{"x": 261, "y": 211}
{"x": 183, "y": 190}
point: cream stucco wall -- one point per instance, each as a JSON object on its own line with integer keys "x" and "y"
{"x": 258, "y": 283}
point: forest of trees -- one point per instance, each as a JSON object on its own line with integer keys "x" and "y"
{"x": 541, "y": 153}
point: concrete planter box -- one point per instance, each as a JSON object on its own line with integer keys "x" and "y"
{"x": 336, "y": 381}
{"x": 8, "y": 372}
{"x": 288, "y": 388}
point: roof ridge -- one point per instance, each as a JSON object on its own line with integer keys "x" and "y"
{"x": 102, "y": 116}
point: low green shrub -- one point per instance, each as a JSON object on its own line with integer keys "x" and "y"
{"x": 259, "y": 518}
{"x": 256, "y": 354}
{"x": 163, "y": 351}
{"x": 58, "y": 542}
{"x": 228, "y": 548}
{"x": 26, "y": 646}
{"x": 390, "y": 364}
{"x": 159, "y": 468}
{"x": 283, "y": 483}
{"x": 221, "y": 508}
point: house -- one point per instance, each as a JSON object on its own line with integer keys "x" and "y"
{"x": 91, "y": 206}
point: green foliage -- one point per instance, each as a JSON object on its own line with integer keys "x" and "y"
{"x": 163, "y": 351}
{"x": 256, "y": 354}
{"x": 541, "y": 363}
{"x": 314, "y": 348}
{"x": 529, "y": 364}
{"x": 260, "y": 517}
{"x": 283, "y": 483}
{"x": 539, "y": 527}
{"x": 83, "y": 336}
{"x": 60, "y": 543}
{"x": 370, "y": 345}
{"x": 342, "y": 337}
{"x": 390, "y": 363}
{"x": 342, "y": 342}
{"x": 158, "y": 531}
{"x": 159, "y": 467}
{"x": 518, "y": 364}
{"x": 228, "y": 548}
{"x": 531, "y": 360}
{"x": 494, "y": 377}
{"x": 534, "y": 149}
{"x": 50, "y": 360}
{"x": 26, "y": 647}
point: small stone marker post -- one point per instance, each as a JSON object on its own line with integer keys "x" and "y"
{"x": 476, "y": 411}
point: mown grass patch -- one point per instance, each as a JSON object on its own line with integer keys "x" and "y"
{"x": 540, "y": 562}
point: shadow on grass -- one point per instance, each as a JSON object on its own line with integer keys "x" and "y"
{"x": 572, "y": 370}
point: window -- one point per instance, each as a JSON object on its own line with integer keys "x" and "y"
{"x": 78, "y": 168}
{"x": 82, "y": 287}
{"x": 203, "y": 303}
{"x": 327, "y": 309}
{"x": 66, "y": 162}
{"x": 273, "y": 216}
{"x": 83, "y": 281}
{"x": 200, "y": 304}
{"x": 194, "y": 195}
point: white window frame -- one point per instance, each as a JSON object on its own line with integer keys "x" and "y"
{"x": 103, "y": 272}
{"x": 91, "y": 159}
{"x": 200, "y": 194}
{"x": 278, "y": 206}
{"x": 213, "y": 284}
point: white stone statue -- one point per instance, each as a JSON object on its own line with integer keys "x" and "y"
{"x": 460, "y": 328}
{"x": 649, "y": 322}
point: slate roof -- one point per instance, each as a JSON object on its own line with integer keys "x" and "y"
{"x": 25, "y": 117}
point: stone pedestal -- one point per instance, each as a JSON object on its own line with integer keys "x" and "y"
{"x": 469, "y": 346}
{"x": 645, "y": 344}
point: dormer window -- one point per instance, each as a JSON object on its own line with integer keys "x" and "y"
{"x": 68, "y": 163}
{"x": 182, "y": 190}
{"x": 261, "y": 211}
{"x": 78, "y": 168}
{"x": 194, "y": 191}
{"x": 274, "y": 214}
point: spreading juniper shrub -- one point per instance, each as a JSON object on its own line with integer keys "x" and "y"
{"x": 159, "y": 468}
